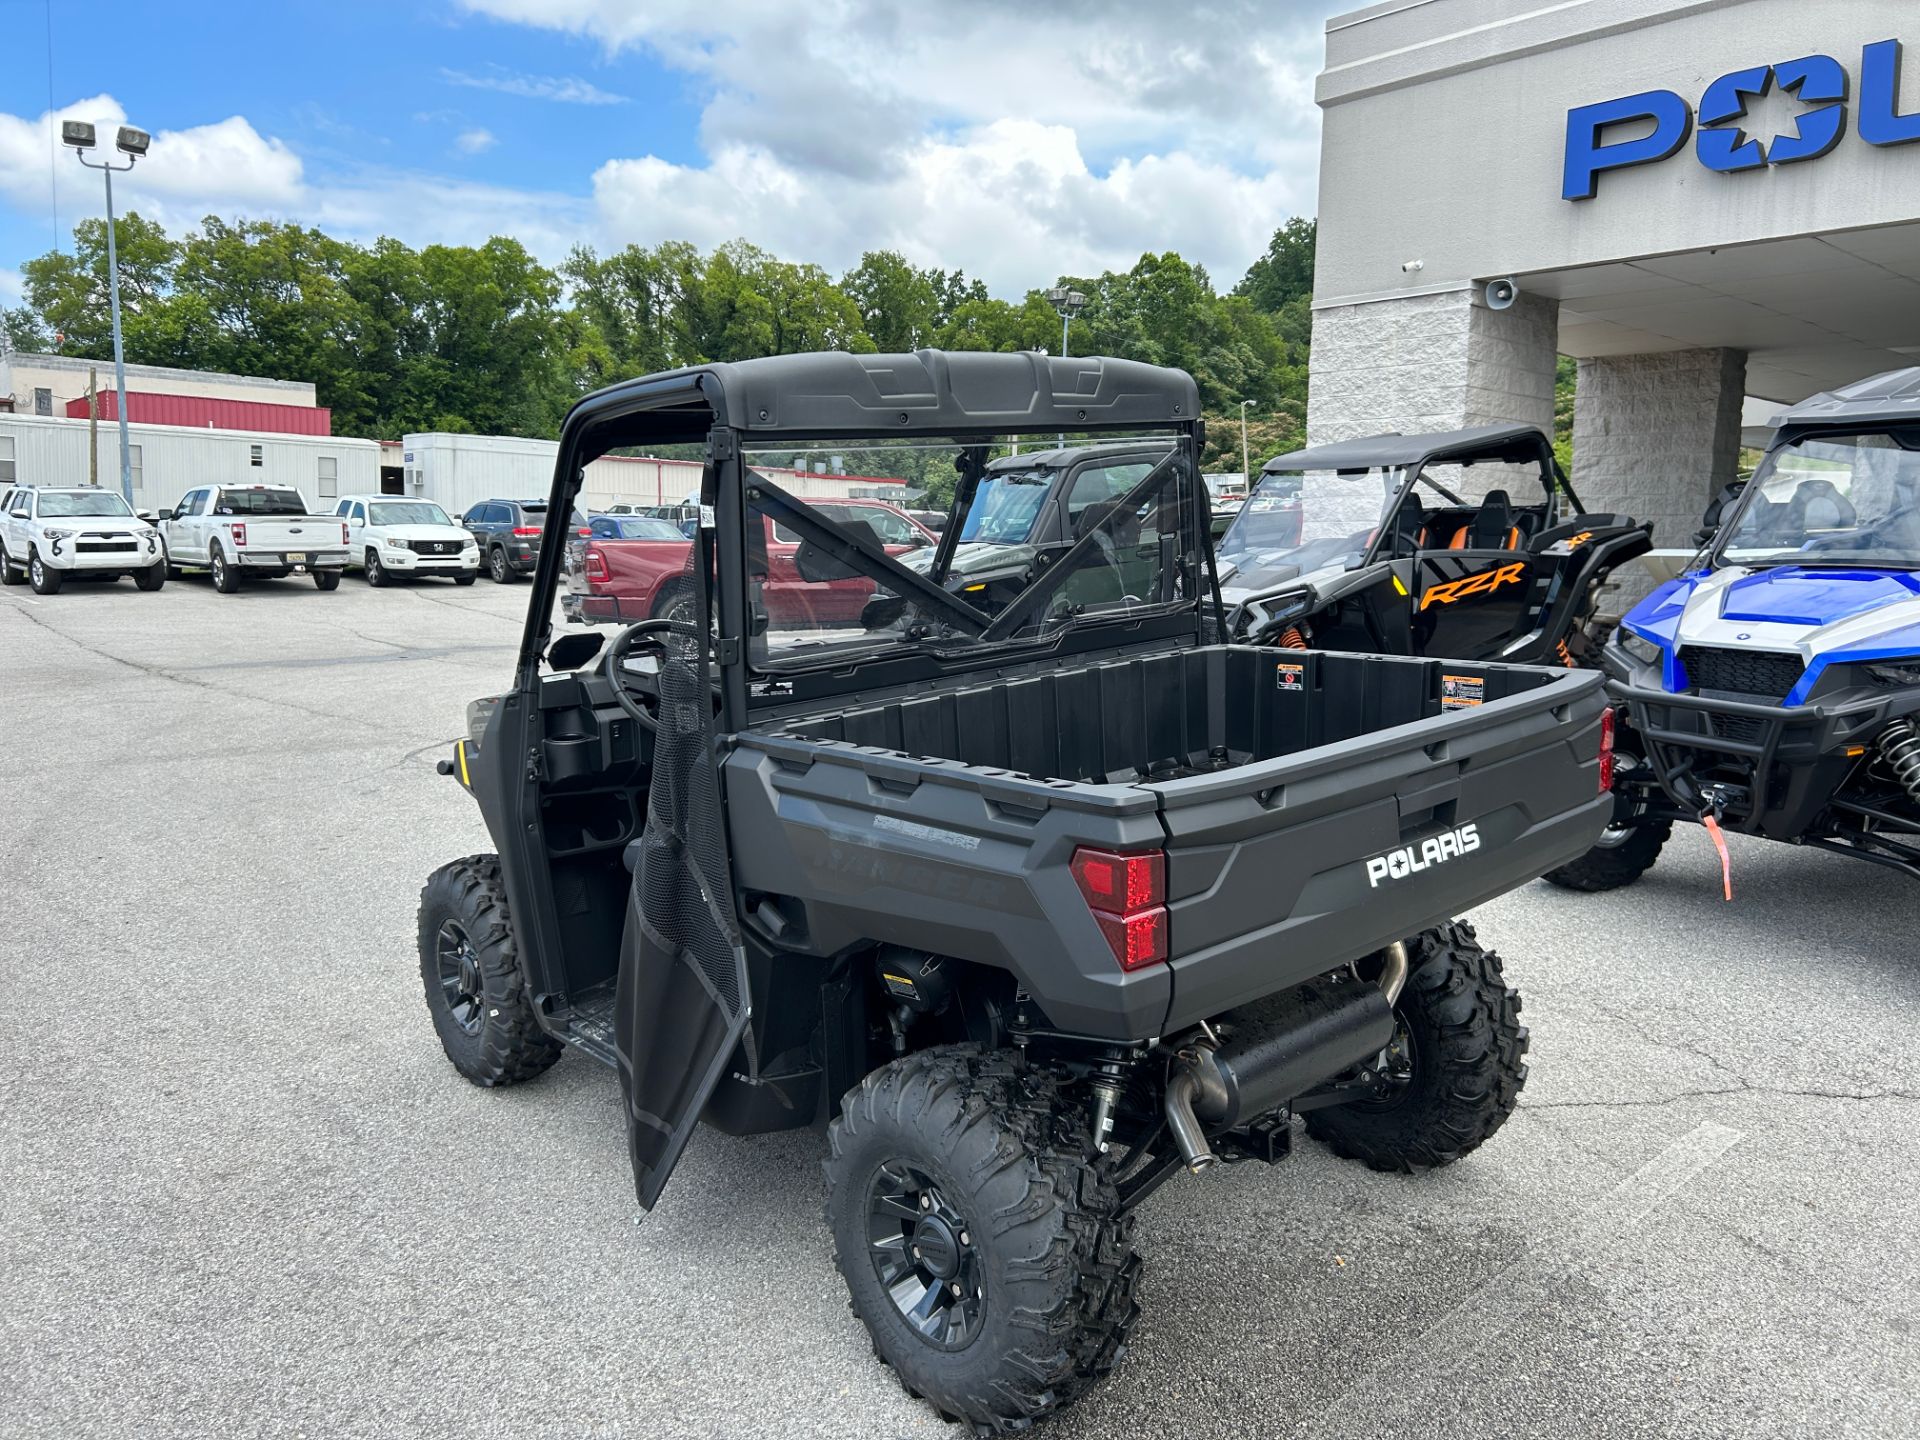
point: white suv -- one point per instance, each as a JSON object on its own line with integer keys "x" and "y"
{"x": 394, "y": 536}
{"x": 48, "y": 533}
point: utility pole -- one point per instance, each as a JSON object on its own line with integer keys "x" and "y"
{"x": 1069, "y": 303}
{"x": 133, "y": 144}
{"x": 93, "y": 425}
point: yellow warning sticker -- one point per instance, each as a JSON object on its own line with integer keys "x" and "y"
{"x": 1462, "y": 692}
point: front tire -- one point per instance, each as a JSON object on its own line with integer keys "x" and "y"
{"x": 499, "y": 567}
{"x": 153, "y": 577}
{"x": 43, "y": 577}
{"x": 326, "y": 579}
{"x": 376, "y": 572}
{"x": 465, "y": 579}
{"x": 982, "y": 1242}
{"x": 1616, "y": 861}
{"x": 1452, "y": 1073}
{"x": 470, "y": 966}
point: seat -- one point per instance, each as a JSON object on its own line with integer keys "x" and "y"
{"x": 1410, "y": 526}
{"x": 1818, "y": 505}
{"x": 1491, "y": 528}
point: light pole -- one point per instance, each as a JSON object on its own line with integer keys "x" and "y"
{"x": 1246, "y": 466}
{"x": 1069, "y": 303}
{"x": 133, "y": 144}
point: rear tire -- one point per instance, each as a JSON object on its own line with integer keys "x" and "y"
{"x": 674, "y": 602}
{"x": 1453, "y": 1071}
{"x": 9, "y": 572}
{"x": 326, "y": 579}
{"x": 470, "y": 967}
{"x": 153, "y": 577}
{"x": 226, "y": 579}
{"x": 43, "y": 577}
{"x": 987, "y": 1169}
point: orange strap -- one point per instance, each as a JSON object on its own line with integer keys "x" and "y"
{"x": 1720, "y": 844}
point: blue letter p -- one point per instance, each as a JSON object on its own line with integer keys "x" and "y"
{"x": 1586, "y": 157}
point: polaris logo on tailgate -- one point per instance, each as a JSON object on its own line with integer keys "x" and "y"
{"x": 1412, "y": 859}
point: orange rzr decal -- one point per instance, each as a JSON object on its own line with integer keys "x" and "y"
{"x": 1481, "y": 584}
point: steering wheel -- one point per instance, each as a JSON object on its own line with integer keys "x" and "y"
{"x": 614, "y": 662}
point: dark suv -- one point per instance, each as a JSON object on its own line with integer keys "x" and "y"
{"x": 509, "y": 535}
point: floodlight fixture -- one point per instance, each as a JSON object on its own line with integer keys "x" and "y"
{"x": 78, "y": 134}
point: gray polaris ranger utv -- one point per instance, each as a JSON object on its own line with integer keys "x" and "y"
{"x": 1031, "y": 910}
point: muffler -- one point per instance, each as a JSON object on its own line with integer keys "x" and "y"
{"x": 1279, "y": 1048}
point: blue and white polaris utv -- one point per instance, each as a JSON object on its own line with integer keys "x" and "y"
{"x": 1775, "y": 686}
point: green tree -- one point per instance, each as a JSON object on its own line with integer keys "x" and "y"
{"x": 70, "y": 293}
{"x": 1285, "y": 272}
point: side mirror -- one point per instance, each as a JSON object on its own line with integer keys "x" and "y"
{"x": 572, "y": 650}
{"x": 882, "y": 612}
{"x": 160, "y": 515}
{"x": 356, "y": 522}
{"x": 146, "y": 515}
{"x": 817, "y": 567}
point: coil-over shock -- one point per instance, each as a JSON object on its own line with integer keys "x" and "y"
{"x": 1900, "y": 748}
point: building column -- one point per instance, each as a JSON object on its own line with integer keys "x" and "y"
{"x": 1431, "y": 362}
{"x": 1657, "y": 437}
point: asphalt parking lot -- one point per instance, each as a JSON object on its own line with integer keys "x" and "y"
{"x": 242, "y": 1192}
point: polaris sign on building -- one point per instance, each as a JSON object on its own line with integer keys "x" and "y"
{"x": 1712, "y": 205}
{"x": 1818, "y": 81}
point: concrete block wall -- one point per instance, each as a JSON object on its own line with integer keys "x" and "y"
{"x": 1657, "y": 436}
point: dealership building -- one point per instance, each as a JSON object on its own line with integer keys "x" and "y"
{"x": 1714, "y": 205}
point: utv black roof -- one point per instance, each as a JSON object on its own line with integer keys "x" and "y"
{"x": 1507, "y": 444}
{"x": 1892, "y": 395}
{"x": 833, "y": 394}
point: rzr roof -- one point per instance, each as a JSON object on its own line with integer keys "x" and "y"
{"x": 1507, "y": 444}
{"x": 1892, "y": 397}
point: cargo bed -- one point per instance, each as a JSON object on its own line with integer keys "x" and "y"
{"x": 1312, "y": 807}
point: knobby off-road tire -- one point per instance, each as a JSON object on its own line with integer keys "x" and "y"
{"x": 43, "y": 577}
{"x": 10, "y": 573}
{"x": 153, "y": 577}
{"x": 1615, "y": 862}
{"x": 1043, "y": 1245}
{"x": 488, "y": 1031}
{"x": 1455, "y": 1060}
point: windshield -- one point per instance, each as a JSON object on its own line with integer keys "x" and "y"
{"x": 407, "y": 512}
{"x": 70, "y": 503}
{"x": 1005, "y": 507}
{"x": 1833, "y": 499}
{"x": 259, "y": 502}
{"x": 1296, "y": 521}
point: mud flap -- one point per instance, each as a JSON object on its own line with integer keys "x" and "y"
{"x": 682, "y": 1000}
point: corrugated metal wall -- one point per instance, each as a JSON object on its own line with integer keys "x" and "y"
{"x": 204, "y": 412}
{"x": 172, "y": 460}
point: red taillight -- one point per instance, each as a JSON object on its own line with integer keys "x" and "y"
{"x": 1127, "y": 894}
{"x": 596, "y": 564}
{"x": 527, "y": 530}
{"x": 583, "y": 531}
{"x": 1606, "y": 750}
{"x": 239, "y": 532}
{"x": 345, "y": 538}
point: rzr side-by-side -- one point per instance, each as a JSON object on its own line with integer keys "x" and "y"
{"x": 1776, "y": 684}
{"x": 1033, "y": 906}
{"x": 1361, "y": 545}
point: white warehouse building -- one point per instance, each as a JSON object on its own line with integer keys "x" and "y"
{"x": 169, "y": 460}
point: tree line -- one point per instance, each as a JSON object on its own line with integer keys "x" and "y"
{"x": 487, "y": 339}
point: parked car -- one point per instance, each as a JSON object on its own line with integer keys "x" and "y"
{"x": 636, "y": 577}
{"x": 391, "y": 536}
{"x": 49, "y": 534}
{"x": 508, "y": 535}
{"x": 1031, "y": 912}
{"x": 234, "y": 532}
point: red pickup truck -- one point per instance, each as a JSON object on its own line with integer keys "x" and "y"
{"x": 621, "y": 581}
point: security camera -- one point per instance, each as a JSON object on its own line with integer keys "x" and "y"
{"x": 1502, "y": 293}
{"x": 1414, "y": 267}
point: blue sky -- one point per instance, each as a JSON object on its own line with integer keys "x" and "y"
{"x": 988, "y": 136}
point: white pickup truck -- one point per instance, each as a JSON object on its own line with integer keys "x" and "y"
{"x": 239, "y": 531}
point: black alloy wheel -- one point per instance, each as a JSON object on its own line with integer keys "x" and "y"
{"x": 923, "y": 1254}
{"x": 458, "y": 965}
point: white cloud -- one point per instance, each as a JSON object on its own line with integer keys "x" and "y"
{"x": 186, "y": 173}
{"x": 1014, "y": 140}
{"x": 475, "y": 142}
{"x": 13, "y": 286}
{"x": 566, "y": 89}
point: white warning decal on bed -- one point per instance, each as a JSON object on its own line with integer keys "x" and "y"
{"x": 1412, "y": 859}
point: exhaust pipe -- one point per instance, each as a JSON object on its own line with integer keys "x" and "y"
{"x": 1283, "y": 1047}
